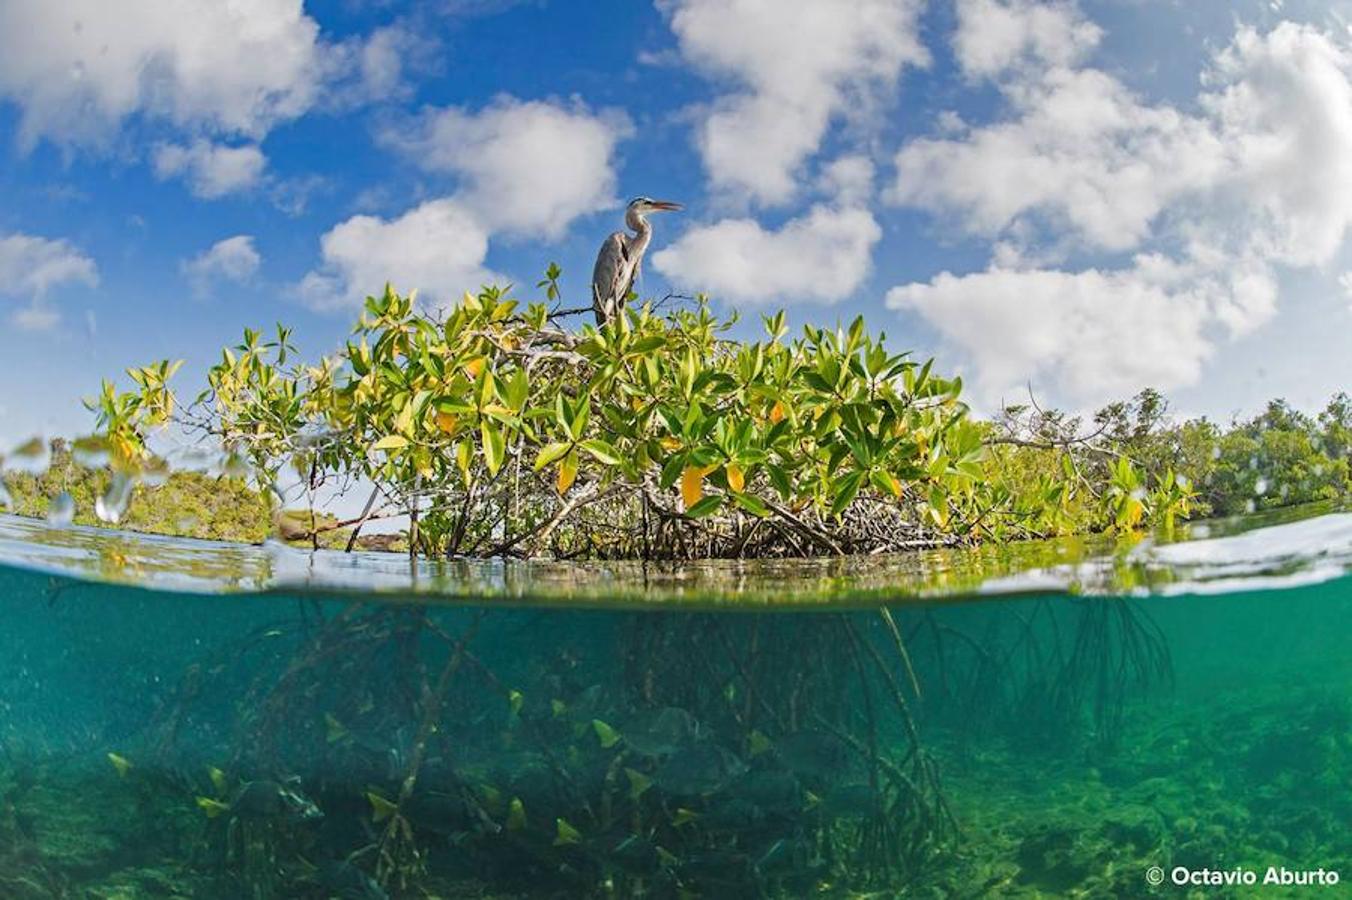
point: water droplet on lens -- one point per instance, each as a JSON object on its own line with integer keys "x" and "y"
{"x": 91, "y": 452}
{"x": 111, "y": 505}
{"x": 61, "y": 510}
{"x": 155, "y": 472}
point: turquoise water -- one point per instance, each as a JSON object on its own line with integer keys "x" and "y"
{"x": 1038, "y": 723}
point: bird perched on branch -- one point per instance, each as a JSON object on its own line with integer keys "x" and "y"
{"x": 617, "y": 263}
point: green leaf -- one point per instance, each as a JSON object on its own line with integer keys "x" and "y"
{"x": 495, "y": 447}
{"x": 846, "y": 490}
{"x": 551, "y": 453}
{"x": 602, "y": 451}
{"x": 752, "y": 504}
{"x": 707, "y": 506}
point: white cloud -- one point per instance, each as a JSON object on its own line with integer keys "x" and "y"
{"x": 382, "y": 62}
{"x": 526, "y": 167}
{"x": 1094, "y": 335}
{"x": 792, "y": 68}
{"x": 78, "y": 68}
{"x": 37, "y": 316}
{"x": 849, "y": 180}
{"x": 822, "y": 256}
{"x": 994, "y": 36}
{"x": 1282, "y": 102}
{"x": 211, "y": 170}
{"x": 437, "y": 248}
{"x": 31, "y": 267}
{"x": 1214, "y": 201}
{"x": 1081, "y": 152}
{"x": 233, "y": 259}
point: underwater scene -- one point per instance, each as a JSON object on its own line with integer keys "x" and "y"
{"x": 191, "y": 720}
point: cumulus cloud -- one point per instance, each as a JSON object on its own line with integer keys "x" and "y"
{"x": 994, "y": 36}
{"x": 233, "y": 259}
{"x": 79, "y": 68}
{"x": 525, "y": 167}
{"x": 522, "y": 167}
{"x": 437, "y": 248}
{"x": 1081, "y": 152}
{"x": 211, "y": 170}
{"x": 822, "y": 256}
{"x": 1256, "y": 175}
{"x": 31, "y": 267}
{"x": 791, "y": 68}
{"x": 1092, "y": 334}
{"x": 1282, "y": 103}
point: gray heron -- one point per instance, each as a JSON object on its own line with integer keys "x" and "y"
{"x": 618, "y": 262}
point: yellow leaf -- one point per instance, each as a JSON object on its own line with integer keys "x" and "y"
{"x": 567, "y": 472}
{"x": 670, "y": 443}
{"x": 692, "y": 485}
{"x": 777, "y": 412}
{"x": 474, "y": 367}
{"x": 736, "y": 479}
{"x": 446, "y": 422}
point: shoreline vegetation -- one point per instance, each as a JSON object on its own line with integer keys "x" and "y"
{"x": 497, "y": 432}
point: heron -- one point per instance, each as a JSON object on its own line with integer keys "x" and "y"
{"x": 618, "y": 262}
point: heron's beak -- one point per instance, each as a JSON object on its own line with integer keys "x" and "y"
{"x": 667, "y": 206}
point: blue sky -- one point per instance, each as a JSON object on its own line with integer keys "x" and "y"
{"x": 1089, "y": 198}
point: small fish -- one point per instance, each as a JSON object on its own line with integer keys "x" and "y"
{"x": 816, "y": 754}
{"x": 638, "y": 783}
{"x": 516, "y": 815}
{"x": 381, "y": 807}
{"x": 515, "y": 700}
{"x": 698, "y": 769}
{"x": 274, "y": 800}
{"x": 212, "y": 808}
{"x": 342, "y": 879}
{"x": 120, "y": 763}
{"x": 218, "y": 780}
{"x": 608, "y": 736}
{"x": 334, "y": 730}
{"x": 660, "y": 732}
{"x": 683, "y": 816}
{"x": 566, "y": 833}
{"x": 489, "y": 796}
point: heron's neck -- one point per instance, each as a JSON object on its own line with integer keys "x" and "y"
{"x": 643, "y": 232}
